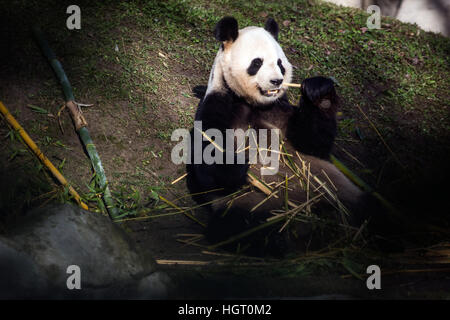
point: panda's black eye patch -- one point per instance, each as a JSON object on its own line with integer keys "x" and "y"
{"x": 282, "y": 69}
{"x": 254, "y": 66}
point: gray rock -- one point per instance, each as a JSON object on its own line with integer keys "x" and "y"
{"x": 20, "y": 276}
{"x": 35, "y": 257}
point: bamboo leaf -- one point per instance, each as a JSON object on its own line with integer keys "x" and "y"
{"x": 37, "y": 109}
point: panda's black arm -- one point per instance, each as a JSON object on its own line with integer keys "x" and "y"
{"x": 312, "y": 128}
{"x": 217, "y": 112}
{"x": 310, "y": 132}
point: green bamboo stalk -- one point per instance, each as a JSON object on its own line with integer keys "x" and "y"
{"x": 364, "y": 186}
{"x": 100, "y": 172}
{"x": 353, "y": 177}
{"x": 81, "y": 129}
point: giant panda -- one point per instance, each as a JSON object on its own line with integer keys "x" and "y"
{"x": 245, "y": 90}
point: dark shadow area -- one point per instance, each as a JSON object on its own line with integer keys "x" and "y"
{"x": 22, "y": 185}
{"x": 19, "y": 50}
{"x": 415, "y": 175}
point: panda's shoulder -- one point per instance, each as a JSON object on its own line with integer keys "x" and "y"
{"x": 216, "y": 110}
{"x": 214, "y": 101}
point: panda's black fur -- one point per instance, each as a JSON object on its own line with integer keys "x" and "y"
{"x": 309, "y": 128}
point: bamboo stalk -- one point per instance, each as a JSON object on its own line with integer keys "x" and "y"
{"x": 80, "y": 122}
{"x": 364, "y": 186}
{"x": 179, "y": 178}
{"x": 253, "y": 180}
{"x": 184, "y": 262}
{"x": 11, "y": 120}
{"x": 295, "y": 85}
{"x": 354, "y": 178}
{"x": 212, "y": 262}
{"x": 170, "y": 203}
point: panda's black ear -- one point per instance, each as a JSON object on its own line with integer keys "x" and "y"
{"x": 226, "y": 29}
{"x": 272, "y": 26}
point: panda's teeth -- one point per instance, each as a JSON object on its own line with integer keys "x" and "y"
{"x": 272, "y": 91}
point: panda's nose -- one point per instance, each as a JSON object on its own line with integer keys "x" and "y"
{"x": 276, "y": 82}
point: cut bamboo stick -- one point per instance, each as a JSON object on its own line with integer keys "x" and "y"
{"x": 183, "y": 262}
{"x": 179, "y": 178}
{"x": 170, "y": 203}
{"x": 295, "y": 85}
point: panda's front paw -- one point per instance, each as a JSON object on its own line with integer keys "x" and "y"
{"x": 317, "y": 88}
{"x": 324, "y": 104}
{"x": 319, "y": 92}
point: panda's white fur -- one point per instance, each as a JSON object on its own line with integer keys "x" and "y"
{"x": 219, "y": 109}
{"x": 233, "y": 59}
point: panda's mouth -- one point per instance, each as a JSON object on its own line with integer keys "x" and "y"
{"x": 269, "y": 93}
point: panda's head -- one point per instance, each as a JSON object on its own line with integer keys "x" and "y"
{"x": 250, "y": 61}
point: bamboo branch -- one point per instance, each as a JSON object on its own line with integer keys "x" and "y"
{"x": 80, "y": 122}
{"x": 30, "y": 143}
{"x": 364, "y": 186}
